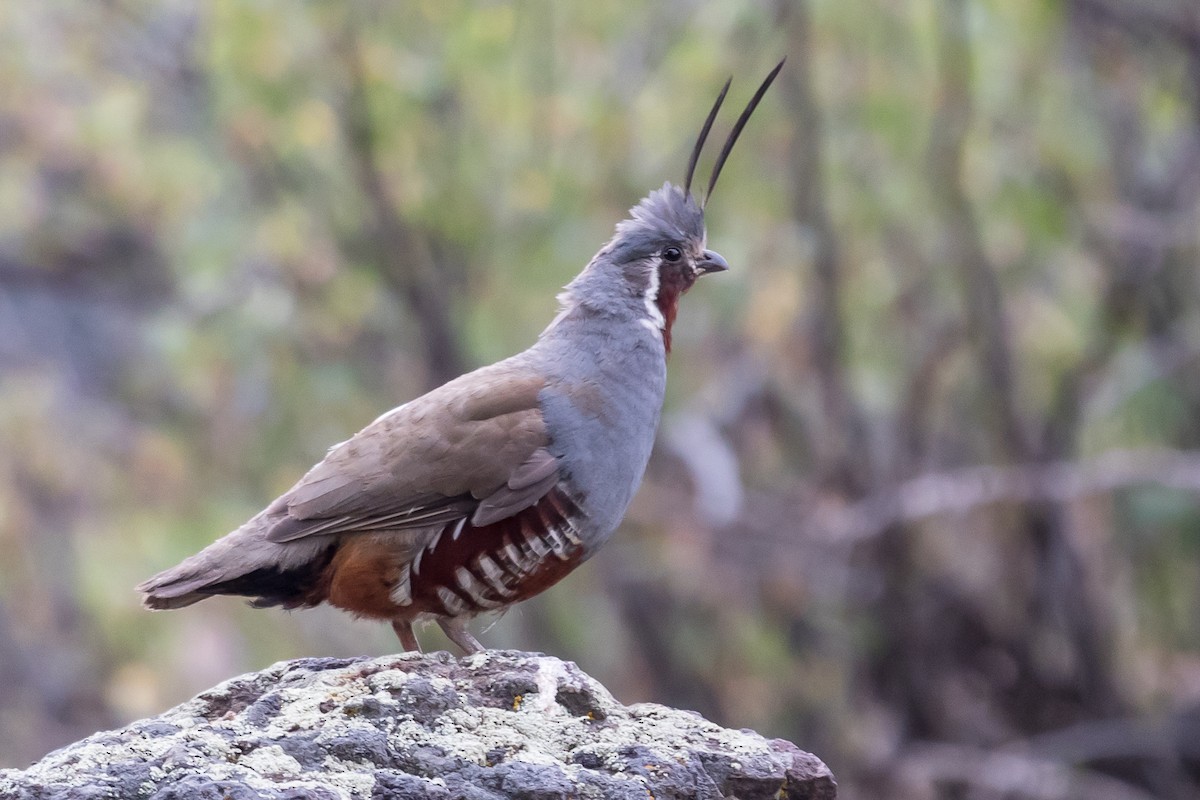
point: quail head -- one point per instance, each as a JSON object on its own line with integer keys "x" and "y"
{"x": 496, "y": 485}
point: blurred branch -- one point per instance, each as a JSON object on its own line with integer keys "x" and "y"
{"x": 805, "y": 526}
{"x": 976, "y": 772}
{"x": 1166, "y": 743}
{"x": 966, "y": 490}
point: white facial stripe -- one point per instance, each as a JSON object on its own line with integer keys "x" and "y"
{"x": 651, "y": 298}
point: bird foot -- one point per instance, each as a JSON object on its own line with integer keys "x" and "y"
{"x": 408, "y": 639}
{"x": 455, "y": 629}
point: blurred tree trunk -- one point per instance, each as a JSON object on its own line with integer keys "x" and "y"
{"x": 404, "y": 254}
{"x": 843, "y": 458}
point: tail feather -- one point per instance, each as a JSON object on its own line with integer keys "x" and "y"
{"x": 244, "y": 563}
{"x": 162, "y": 601}
{"x": 173, "y": 588}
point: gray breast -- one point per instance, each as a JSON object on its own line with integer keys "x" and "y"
{"x": 602, "y": 407}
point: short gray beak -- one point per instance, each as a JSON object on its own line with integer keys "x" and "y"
{"x": 711, "y": 262}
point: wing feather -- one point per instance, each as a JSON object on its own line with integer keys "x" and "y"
{"x": 527, "y": 484}
{"x": 478, "y": 440}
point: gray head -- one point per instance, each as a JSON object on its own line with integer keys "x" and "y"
{"x": 660, "y": 251}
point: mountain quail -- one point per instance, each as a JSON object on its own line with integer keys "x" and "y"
{"x": 496, "y": 485}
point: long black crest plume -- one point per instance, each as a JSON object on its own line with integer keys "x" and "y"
{"x": 712, "y": 115}
{"x": 737, "y": 130}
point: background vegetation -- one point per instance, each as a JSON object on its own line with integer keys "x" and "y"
{"x": 925, "y": 499}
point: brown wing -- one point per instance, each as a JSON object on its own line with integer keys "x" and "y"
{"x": 479, "y": 437}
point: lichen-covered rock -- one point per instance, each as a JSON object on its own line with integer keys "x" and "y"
{"x": 495, "y": 725}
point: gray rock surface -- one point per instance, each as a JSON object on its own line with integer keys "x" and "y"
{"x": 499, "y": 724}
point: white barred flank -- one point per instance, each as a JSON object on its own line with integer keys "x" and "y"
{"x": 451, "y": 602}
{"x": 474, "y": 589}
{"x": 401, "y": 593}
{"x": 492, "y": 579}
{"x": 514, "y": 557}
{"x": 491, "y": 573}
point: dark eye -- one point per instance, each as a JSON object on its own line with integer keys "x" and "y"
{"x": 672, "y": 254}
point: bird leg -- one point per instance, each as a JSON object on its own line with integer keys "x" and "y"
{"x": 455, "y": 629}
{"x": 408, "y": 639}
